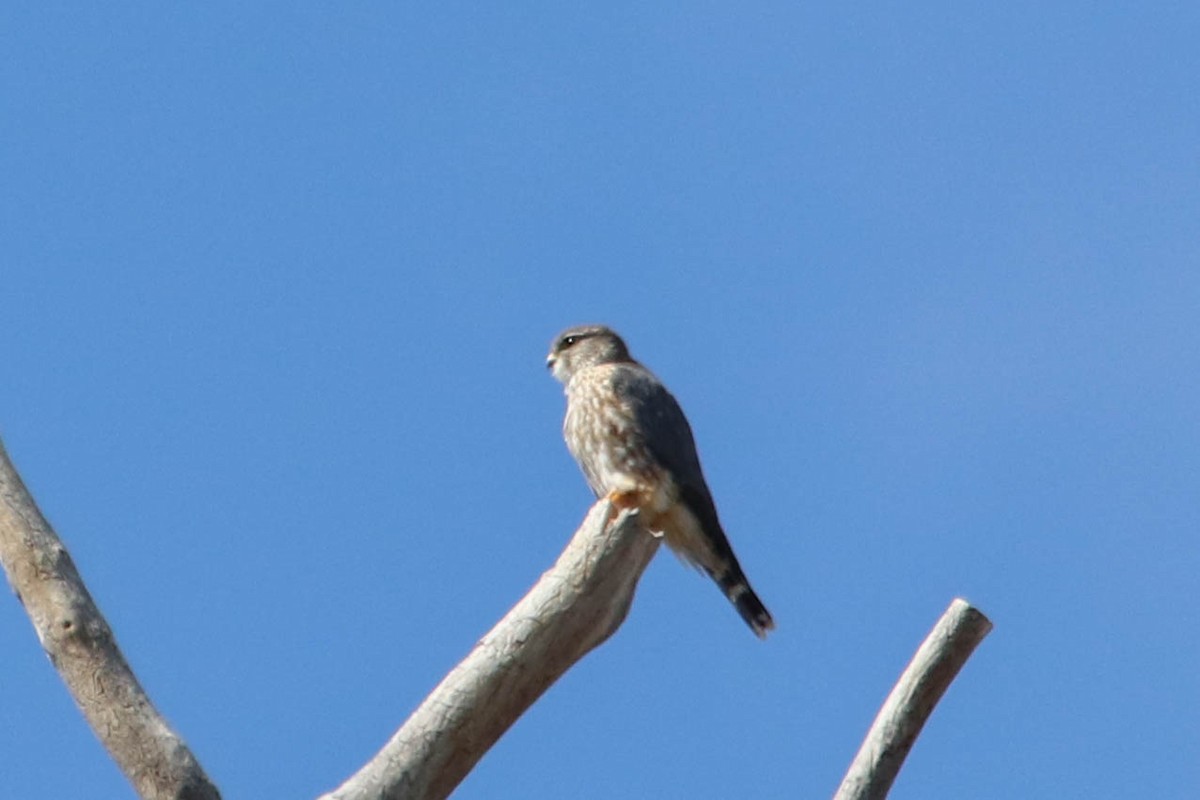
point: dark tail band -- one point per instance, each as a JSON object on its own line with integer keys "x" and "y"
{"x": 735, "y": 586}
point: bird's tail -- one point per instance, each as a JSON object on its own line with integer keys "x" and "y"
{"x": 735, "y": 586}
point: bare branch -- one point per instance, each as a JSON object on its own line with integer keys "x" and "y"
{"x": 81, "y": 646}
{"x": 575, "y": 606}
{"x": 937, "y": 662}
{"x": 572, "y": 609}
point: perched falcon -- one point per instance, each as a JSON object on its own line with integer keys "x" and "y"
{"x": 635, "y": 447}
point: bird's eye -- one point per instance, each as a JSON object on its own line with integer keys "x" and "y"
{"x": 567, "y": 341}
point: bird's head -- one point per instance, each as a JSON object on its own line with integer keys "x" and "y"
{"x": 584, "y": 346}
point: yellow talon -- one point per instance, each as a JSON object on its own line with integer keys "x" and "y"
{"x": 623, "y": 500}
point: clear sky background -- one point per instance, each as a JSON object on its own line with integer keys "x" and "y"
{"x": 276, "y": 287}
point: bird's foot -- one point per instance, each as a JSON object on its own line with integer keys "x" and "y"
{"x": 622, "y": 500}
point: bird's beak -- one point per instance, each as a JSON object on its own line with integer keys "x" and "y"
{"x": 550, "y": 359}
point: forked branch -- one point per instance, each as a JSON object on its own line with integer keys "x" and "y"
{"x": 575, "y": 606}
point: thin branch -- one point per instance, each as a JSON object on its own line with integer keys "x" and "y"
{"x": 81, "y": 646}
{"x": 937, "y": 662}
{"x": 575, "y": 606}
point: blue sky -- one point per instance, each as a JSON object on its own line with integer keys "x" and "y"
{"x": 277, "y": 284}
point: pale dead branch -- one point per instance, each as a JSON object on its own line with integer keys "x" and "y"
{"x": 938, "y": 660}
{"x": 575, "y": 606}
{"x": 82, "y": 648}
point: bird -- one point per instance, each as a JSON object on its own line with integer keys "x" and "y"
{"x": 635, "y": 447}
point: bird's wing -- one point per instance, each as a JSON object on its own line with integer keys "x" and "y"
{"x": 668, "y": 436}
